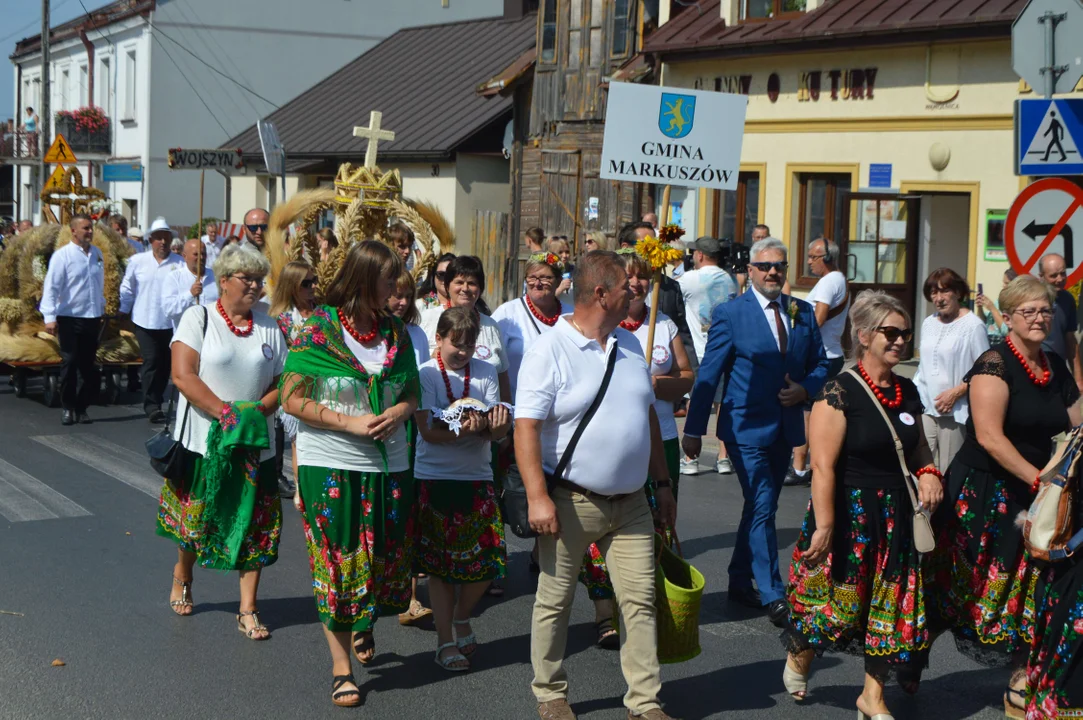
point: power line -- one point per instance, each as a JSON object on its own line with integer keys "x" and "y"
{"x": 195, "y": 92}
{"x": 32, "y": 23}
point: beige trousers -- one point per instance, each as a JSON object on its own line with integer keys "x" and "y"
{"x": 624, "y": 532}
{"x": 945, "y": 437}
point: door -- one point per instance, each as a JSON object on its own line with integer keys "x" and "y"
{"x": 879, "y": 244}
{"x": 560, "y": 192}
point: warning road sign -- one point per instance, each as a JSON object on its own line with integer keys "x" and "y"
{"x": 1048, "y": 137}
{"x": 56, "y": 179}
{"x": 60, "y": 151}
{"x": 1047, "y": 217}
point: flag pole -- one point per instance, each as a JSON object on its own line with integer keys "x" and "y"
{"x": 199, "y": 230}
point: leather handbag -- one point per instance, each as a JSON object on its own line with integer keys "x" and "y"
{"x": 168, "y": 457}
{"x": 924, "y": 539}
{"x": 1047, "y": 530}
{"x": 513, "y": 500}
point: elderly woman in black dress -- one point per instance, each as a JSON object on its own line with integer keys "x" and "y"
{"x": 856, "y": 581}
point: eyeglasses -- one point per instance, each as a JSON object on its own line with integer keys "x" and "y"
{"x": 261, "y": 227}
{"x": 892, "y": 334}
{"x": 539, "y": 280}
{"x": 1031, "y": 313}
{"x": 255, "y": 282}
{"x": 768, "y": 266}
{"x": 308, "y": 283}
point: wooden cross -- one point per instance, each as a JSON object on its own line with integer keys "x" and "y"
{"x": 374, "y": 135}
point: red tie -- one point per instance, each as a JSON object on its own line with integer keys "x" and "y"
{"x": 779, "y": 325}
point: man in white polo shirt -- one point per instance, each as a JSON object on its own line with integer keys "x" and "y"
{"x": 600, "y": 497}
{"x": 141, "y": 296}
{"x": 191, "y": 284}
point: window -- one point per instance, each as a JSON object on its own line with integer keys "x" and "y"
{"x": 736, "y": 212}
{"x": 84, "y": 84}
{"x": 106, "y": 86}
{"x": 575, "y": 34}
{"x": 65, "y": 89}
{"x": 129, "y": 85}
{"x": 619, "y": 48}
{"x": 597, "y": 14}
{"x": 879, "y": 249}
{"x": 764, "y": 9}
{"x": 820, "y": 211}
{"x": 549, "y": 31}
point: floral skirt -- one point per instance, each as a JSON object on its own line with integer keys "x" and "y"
{"x": 867, "y": 597}
{"x": 593, "y": 574}
{"x": 983, "y": 583}
{"x": 359, "y": 529}
{"x": 180, "y": 518}
{"x": 1054, "y": 676}
{"x": 461, "y": 531}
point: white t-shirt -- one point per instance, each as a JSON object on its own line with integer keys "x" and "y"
{"x": 317, "y": 447}
{"x": 234, "y": 368}
{"x": 703, "y": 291}
{"x": 664, "y": 332}
{"x": 421, "y": 344}
{"x": 490, "y": 349}
{"x": 948, "y": 351}
{"x": 831, "y": 291}
{"x": 561, "y": 374}
{"x": 468, "y": 457}
{"x": 520, "y": 329}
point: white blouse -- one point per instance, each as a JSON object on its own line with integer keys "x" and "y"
{"x": 490, "y": 347}
{"x": 520, "y": 329}
{"x": 948, "y": 351}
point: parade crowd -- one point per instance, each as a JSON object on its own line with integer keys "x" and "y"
{"x": 403, "y": 407}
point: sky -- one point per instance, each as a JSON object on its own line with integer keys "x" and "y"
{"x": 21, "y": 19}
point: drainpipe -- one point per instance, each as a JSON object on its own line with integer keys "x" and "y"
{"x": 89, "y": 65}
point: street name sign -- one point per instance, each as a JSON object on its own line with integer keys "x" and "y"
{"x": 1046, "y": 47}
{"x": 1048, "y": 137}
{"x": 60, "y": 151}
{"x": 205, "y": 159}
{"x": 673, "y": 136}
{"x": 1047, "y": 217}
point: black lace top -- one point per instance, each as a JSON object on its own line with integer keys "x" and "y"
{"x": 1035, "y": 414}
{"x": 868, "y": 458}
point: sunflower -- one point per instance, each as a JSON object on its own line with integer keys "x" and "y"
{"x": 656, "y": 253}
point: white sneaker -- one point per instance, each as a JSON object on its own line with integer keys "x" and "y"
{"x": 724, "y": 466}
{"x": 689, "y": 466}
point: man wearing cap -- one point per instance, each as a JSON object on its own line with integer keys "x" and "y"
{"x": 135, "y": 240}
{"x": 141, "y": 297}
{"x": 191, "y": 283}
{"x": 704, "y": 288}
{"x": 255, "y": 228}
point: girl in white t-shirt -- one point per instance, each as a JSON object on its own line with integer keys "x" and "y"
{"x": 461, "y": 539}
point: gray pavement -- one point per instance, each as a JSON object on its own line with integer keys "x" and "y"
{"x": 84, "y": 579}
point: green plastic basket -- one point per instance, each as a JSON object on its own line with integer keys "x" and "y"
{"x": 678, "y": 594}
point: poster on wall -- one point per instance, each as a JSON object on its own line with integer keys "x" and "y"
{"x": 994, "y": 235}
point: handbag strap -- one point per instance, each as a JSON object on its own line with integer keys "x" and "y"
{"x": 530, "y": 316}
{"x": 188, "y": 407}
{"x": 894, "y": 436}
{"x": 567, "y": 456}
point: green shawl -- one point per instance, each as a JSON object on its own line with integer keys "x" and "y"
{"x": 230, "y": 471}
{"x": 320, "y": 353}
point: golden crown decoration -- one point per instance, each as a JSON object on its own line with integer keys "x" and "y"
{"x": 375, "y": 188}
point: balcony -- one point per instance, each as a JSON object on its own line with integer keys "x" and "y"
{"x": 16, "y": 145}
{"x": 84, "y": 139}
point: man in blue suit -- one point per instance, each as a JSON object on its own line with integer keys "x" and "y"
{"x": 768, "y": 347}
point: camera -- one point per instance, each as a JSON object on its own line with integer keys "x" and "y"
{"x": 735, "y": 257}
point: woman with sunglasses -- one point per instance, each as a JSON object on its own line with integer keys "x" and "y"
{"x": 855, "y": 577}
{"x": 292, "y": 302}
{"x": 1020, "y": 397}
{"x": 952, "y": 338}
{"x": 433, "y": 291}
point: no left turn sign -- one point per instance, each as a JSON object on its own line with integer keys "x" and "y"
{"x": 1047, "y": 217}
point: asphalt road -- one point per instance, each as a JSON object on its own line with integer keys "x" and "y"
{"x": 84, "y": 580}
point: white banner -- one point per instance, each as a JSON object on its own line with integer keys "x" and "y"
{"x": 673, "y": 136}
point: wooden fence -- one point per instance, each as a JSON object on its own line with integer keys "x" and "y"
{"x": 491, "y": 243}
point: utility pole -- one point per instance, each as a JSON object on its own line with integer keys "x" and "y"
{"x": 46, "y": 117}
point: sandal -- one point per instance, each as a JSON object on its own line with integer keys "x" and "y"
{"x": 1011, "y": 709}
{"x": 470, "y": 639}
{"x": 363, "y": 642}
{"x": 185, "y": 598}
{"x": 415, "y": 614}
{"x": 336, "y": 694}
{"x": 250, "y": 633}
{"x": 494, "y": 590}
{"x": 447, "y": 663}
{"x": 608, "y": 635}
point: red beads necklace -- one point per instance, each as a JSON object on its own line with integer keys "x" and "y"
{"x": 631, "y": 326}
{"x": 889, "y": 404}
{"x": 447, "y": 381}
{"x": 363, "y": 339}
{"x": 1046, "y": 374}
{"x": 233, "y": 328}
{"x": 544, "y": 319}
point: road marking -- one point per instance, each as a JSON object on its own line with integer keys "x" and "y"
{"x": 24, "y": 497}
{"x": 131, "y": 468}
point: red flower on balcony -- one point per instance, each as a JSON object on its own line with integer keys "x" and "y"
{"x": 89, "y": 119}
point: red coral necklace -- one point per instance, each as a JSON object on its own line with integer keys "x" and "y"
{"x": 1046, "y": 374}
{"x": 233, "y": 328}
{"x": 447, "y": 381}
{"x": 631, "y": 325}
{"x": 544, "y": 319}
{"x": 889, "y": 404}
{"x": 363, "y": 339}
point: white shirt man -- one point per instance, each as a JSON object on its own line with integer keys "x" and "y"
{"x": 213, "y": 242}
{"x": 705, "y": 288}
{"x": 182, "y": 288}
{"x": 74, "y": 284}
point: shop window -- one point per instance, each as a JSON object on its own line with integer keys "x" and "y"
{"x": 549, "y": 31}
{"x": 766, "y": 9}
{"x": 736, "y": 212}
{"x": 621, "y": 20}
{"x": 820, "y": 211}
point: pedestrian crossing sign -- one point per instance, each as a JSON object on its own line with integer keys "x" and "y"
{"x": 1048, "y": 137}
{"x": 59, "y": 151}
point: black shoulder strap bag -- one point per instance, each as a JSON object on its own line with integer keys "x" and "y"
{"x": 513, "y": 498}
{"x": 168, "y": 456}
